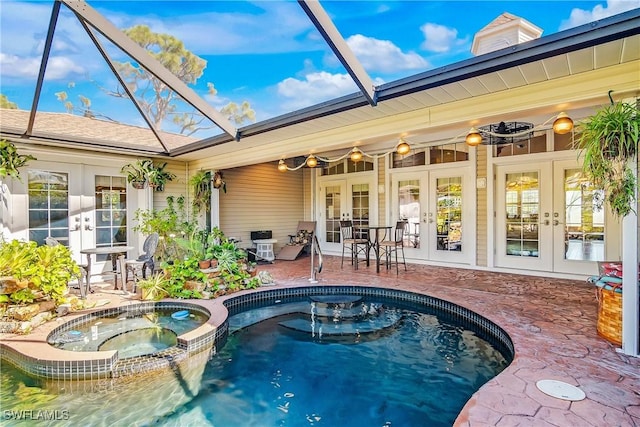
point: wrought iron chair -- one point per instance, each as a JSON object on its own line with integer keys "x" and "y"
{"x": 141, "y": 264}
{"x": 394, "y": 245}
{"x": 83, "y": 277}
{"x": 352, "y": 242}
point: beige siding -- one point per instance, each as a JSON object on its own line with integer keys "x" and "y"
{"x": 177, "y": 187}
{"x": 259, "y": 197}
{"x": 481, "y": 207}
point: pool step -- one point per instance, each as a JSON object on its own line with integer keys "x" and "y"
{"x": 340, "y": 327}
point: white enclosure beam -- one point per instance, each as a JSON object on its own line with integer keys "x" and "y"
{"x": 334, "y": 39}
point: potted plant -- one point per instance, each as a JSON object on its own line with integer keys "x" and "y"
{"x": 608, "y": 141}
{"x": 154, "y": 287}
{"x": 138, "y": 172}
{"x": 10, "y": 160}
{"x": 157, "y": 176}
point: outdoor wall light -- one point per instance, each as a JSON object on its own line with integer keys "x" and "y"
{"x": 512, "y": 132}
{"x": 403, "y": 148}
{"x": 312, "y": 162}
{"x": 474, "y": 137}
{"x": 563, "y": 124}
{"x": 356, "y": 155}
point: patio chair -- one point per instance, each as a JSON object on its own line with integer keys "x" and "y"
{"x": 299, "y": 242}
{"x": 83, "y": 280}
{"x": 352, "y": 242}
{"x": 392, "y": 246}
{"x": 141, "y": 264}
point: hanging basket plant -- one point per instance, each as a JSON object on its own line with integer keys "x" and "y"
{"x": 608, "y": 142}
{"x": 157, "y": 176}
{"x": 219, "y": 182}
{"x": 10, "y": 160}
{"x": 138, "y": 172}
{"x": 201, "y": 184}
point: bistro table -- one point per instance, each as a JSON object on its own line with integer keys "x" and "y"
{"x": 114, "y": 252}
{"x": 376, "y": 233}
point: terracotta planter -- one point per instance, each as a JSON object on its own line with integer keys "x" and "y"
{"x": 204, "y": 264}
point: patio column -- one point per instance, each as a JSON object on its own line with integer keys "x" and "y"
{"x": 630, "y": 294}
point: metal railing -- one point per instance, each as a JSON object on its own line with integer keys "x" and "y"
{"x": 315, "y": 248}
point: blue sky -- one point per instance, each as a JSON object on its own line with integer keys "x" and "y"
{"x": 267, "y": 53}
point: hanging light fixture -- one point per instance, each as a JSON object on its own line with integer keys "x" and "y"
{"x": 474, "y": 137}
{"x": 312, "y": 162}
{"x": 403, "y": 148}
{"x": 282, "y": 166}
{"x": 563, "y": 124}
{"x": 356, "y": 155}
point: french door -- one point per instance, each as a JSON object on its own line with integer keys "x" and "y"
{"x": 548, "y": 219}
{"x": 343, "y": 199}
{"x": 438, "y": 211}
{"x": 81, "y": 206}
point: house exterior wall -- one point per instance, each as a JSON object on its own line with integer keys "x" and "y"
{"x": 259, "y": 197}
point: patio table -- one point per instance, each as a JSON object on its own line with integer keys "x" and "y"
{"x": 114, "y": 252}
{"x": 376, "y": 234}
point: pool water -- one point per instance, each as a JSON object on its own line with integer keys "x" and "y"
{"x": 412, "y": 370}
{"x": 365, "y": 363}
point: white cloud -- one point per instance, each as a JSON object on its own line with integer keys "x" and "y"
{"x": 384, "y": 56}
{"x": 315, "y": 88}
{"x": 216, "y": 33}
{"x": 439, "y": 38}
{"x": 59, "y": 67}
{"x": 613, "y": 7}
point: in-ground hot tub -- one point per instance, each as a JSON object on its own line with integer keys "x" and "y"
{"x": 134, "y": 338}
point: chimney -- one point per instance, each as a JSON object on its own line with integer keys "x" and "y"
{"x": 504, "y": 31}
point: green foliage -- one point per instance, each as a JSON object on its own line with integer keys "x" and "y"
{"x": 158, "y": 176}
{"x": 201, "y": 185}
{"x": 47, "y": 269}
{"x": 138, "y": 171}
{"x": 5, "y": 103}
{"x": 10, "y": 160}
{"x": 171, "y": 223}
{"x": 609, "y": 141}
{"x": 154, "y": 287}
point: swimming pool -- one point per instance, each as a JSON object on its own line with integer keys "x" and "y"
{"x": 378, "y": 376}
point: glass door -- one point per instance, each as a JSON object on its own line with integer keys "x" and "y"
{"x": 104, "y": 217}
{"x": 449, "y": 221}
{"x": 523, "y": 217}
{"x": 433, "y": 204}
{"x": 582, "y": 225}
{"x": 51, "y": 206}
{"x": 81, "y": 206}
{"x": 342, "y": 199}
{"x": 548, "y": 219}
{"x": 409, "y": 198}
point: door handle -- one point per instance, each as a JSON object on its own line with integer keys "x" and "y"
{"x": 556, "y": 222}
{"x": 88, "y": 227}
